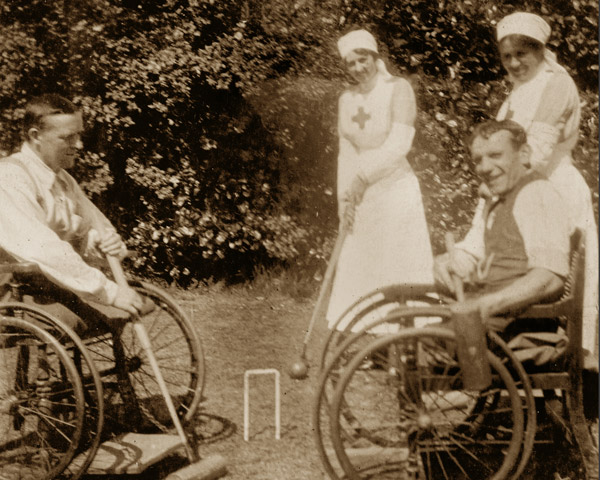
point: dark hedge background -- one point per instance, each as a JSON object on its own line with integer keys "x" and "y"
{"x": 211, "y": 123}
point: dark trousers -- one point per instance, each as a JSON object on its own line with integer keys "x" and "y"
{"x": 87, "y": 319}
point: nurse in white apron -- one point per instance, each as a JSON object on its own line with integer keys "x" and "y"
{"x": 378, "y": 191}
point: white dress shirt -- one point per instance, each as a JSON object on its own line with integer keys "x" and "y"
{"x": 46, "y": 218}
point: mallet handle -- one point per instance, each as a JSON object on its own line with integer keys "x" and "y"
{"x": 325, "y": 290}
{"x": 471, "y": 347}
{"x": 142, "y": 334}
{"x": 456, "y": 280}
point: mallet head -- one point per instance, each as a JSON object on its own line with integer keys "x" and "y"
{"x": 299, "y": 370}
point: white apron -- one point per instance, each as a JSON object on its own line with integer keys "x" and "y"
{"x": 389, "y": 243}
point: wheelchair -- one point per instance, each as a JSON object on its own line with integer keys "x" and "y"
{"x": 392, "y": 401}
{"x": 63, "y": 392}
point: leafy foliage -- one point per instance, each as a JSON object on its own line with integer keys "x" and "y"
{"x": 212, "y": 124}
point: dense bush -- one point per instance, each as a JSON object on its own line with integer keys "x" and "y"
{"x": 212, "y": 124}
{"x": 193, "y": 176}
{"x": 450, "y": 47}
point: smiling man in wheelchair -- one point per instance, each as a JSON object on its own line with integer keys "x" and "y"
{"x": 517, "y": 251}
{"x": 457, "y": 395}
{"x": 46, "y": 221}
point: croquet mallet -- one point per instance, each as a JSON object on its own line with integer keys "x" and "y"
{"x": 299, "y": 369}
{"x": 470, "y": 336}
{"x": 208, "y": 468}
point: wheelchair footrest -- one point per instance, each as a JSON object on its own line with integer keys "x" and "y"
{"x": 131, "y": 453}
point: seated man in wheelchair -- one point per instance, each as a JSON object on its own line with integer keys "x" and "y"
{"x": 517, "y": 251}
{"x": 46, "y": 220}
{"x": 54, "y": 244}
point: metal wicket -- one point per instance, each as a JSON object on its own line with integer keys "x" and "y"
{"x": 262, "y": 371}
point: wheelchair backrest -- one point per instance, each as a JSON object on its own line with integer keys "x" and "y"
{"x": 575, "y": 280}
{"x": 574, "y": 292}
{"x": 569, "y": 308}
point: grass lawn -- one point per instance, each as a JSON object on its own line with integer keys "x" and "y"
{"x": 243, "y": 330}
{"x": 246, "y": 328}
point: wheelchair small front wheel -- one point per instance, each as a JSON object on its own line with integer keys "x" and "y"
{"x": 41, "y": 402}
{"x": 88, "y": 373}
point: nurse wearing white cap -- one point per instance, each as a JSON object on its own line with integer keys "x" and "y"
{"x": 545, "y": 100}
{"x": 378, "y": 192}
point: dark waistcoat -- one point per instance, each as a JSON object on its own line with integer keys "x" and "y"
{"x": 504, "y": 246}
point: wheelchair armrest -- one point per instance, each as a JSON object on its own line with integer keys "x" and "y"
{"x": 555, "y": 306}
{"x": 20, "y": 267}
{"x": 410, "y": 290}
{"x": 549, "y": 310}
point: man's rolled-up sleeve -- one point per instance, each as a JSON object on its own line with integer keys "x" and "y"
{"x": 544, "y": 226}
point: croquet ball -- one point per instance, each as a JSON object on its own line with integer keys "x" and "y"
{"x": 299, "y": 370}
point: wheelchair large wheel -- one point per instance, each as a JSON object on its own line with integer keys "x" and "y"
{"x": 416, "y": 416}
{"x": 91, "y": 381}
{"x": 374, "y": 311}
{"x": 373, "y": 307}
{"x": 41, "y": 403}
{"x": 348, "y": 344}
{"x": 135, "y": 391}
{"x": 523, "y": 383}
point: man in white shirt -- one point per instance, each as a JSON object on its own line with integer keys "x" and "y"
{"x": 46, "y": 219}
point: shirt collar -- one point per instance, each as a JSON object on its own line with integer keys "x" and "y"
{"x": 37, "y": 168}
